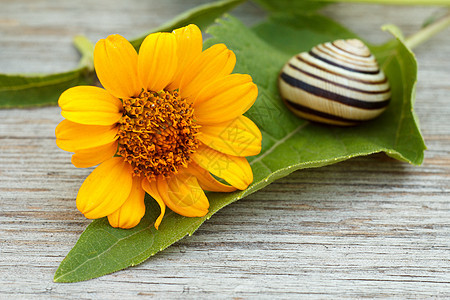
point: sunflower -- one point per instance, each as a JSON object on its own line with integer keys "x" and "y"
{"x": 168, "y": 121}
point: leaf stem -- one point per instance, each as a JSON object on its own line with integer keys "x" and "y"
{"x": 86, "y": 49}
{"x": 427, "y": 32}
{"x": 397, "y": 2}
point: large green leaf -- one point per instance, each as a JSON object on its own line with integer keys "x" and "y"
{"x": 289, "y": 143}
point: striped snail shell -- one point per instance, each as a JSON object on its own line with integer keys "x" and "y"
{"x": 336, "y": 83}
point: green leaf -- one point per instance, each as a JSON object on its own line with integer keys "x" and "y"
{"x": 289, "y": 143}
{"x": 202, "y": 16}
{"x": 38, "y": 90}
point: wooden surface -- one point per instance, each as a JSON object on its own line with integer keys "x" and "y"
{"x": 368, "y": 227}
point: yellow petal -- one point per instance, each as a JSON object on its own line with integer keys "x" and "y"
{"x": 238, "y": 137}
{"x": 213, "y": 63}
{"x": 206, "y": 181}
{"x": 225, "y": 99}
{"x": 184, "y": 195}
{"x": 90, "y": 105}
{"x": 132, "y": 210}
{"x": 233, "y": 169}
{"x": 189, "y": 45}
{"x": 157, "y": 62}
{"x": 152, "y": 189}
{"x": 115, "y": 61}
{"x": 105, "y": 189}
{"x": 89, "y": 157}
{"x": 73, "y": 137}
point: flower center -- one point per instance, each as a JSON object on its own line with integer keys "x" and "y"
{"x": 157, "y": 133}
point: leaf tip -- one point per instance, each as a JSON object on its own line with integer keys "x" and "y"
{"x": 394, "y": 30}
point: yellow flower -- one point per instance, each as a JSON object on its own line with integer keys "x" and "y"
{"x": 167, "y": 119}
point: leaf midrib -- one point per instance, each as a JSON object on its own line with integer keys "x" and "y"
{"x": 99, "y": 255}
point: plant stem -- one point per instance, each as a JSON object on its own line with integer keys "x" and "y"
{"x": 86, "y": 49}
{"x": 427, "y": 32}
{"x": 398, "y": 2}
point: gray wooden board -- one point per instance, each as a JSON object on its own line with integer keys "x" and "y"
{"x": 367, "y": 227}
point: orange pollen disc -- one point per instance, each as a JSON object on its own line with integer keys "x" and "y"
{"x": 157, "y": 133}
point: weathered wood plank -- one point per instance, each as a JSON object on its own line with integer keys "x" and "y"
{"x": 368, "y": 227}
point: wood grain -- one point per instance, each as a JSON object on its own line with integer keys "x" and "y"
{"x": 368, "y": 227}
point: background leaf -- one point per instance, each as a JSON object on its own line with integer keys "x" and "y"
{"x": 202, "y": 16}
{"x": 39, "y": 90}
{"x": 289, "y": 143}
{"x": 289, "y": 7}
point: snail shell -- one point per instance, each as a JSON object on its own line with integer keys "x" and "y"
{"x": 336, "y": 83}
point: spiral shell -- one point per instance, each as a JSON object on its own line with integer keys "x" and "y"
{"x": 336, "y": 83}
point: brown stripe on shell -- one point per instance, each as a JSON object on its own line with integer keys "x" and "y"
{"x": 345, "y": 50}
{"x": 371, "y": 63}
{"x": 344, "y": 62}
{"x": 338, "y": 84}
{"x": 332, "y": 96}
{"x": 320, "y": 114}
{"x": 342, "y": 66}
{"x": 338, "y": 51}
{"x": 337, "y": 74}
